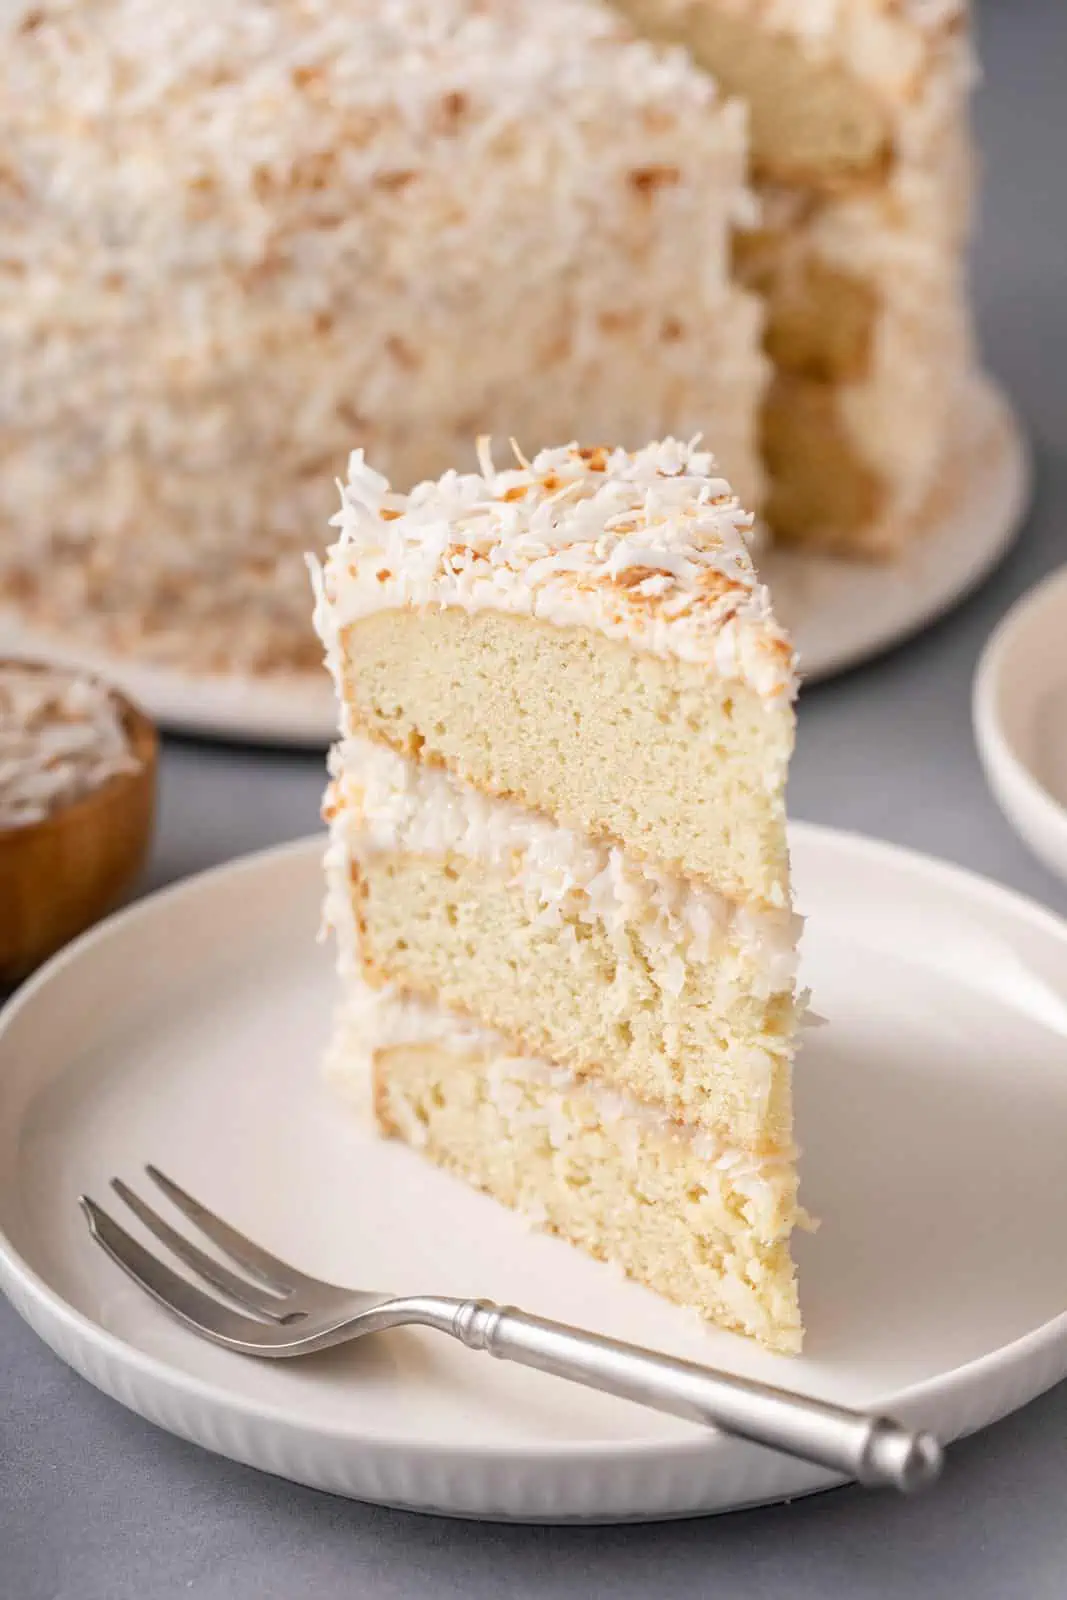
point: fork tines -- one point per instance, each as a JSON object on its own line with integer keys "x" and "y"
{"x": 263, "y": 1290}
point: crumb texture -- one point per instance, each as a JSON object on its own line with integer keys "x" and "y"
{"x": 618, "y": 970}
{"x": 862, "y": 153}
{"x": 709, "y": 1237}
{"x": 676, "y": 766}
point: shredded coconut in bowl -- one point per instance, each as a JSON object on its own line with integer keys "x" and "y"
{"x": 61, "y": 736}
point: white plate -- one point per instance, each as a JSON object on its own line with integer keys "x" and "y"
{"x": 1020, "y": 718}
{"x": 840, "y": 612}
{"x": 932, "y": 1109}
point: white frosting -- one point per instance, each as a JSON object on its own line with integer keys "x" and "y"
{"x": 61, "y": 736}
{"x": 649, "y": 546}
{"x": 382, "y": 802}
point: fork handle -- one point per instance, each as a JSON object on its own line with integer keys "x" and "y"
{"x": 872, "y": 1449}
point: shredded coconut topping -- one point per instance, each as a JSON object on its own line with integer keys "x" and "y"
{"x": 61, "y": 736}
{"x": 649, "y": 546}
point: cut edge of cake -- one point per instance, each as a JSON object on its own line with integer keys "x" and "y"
{"x": 838, "y": 92}
{"x": 614, "y": 968}
{"x": 638, "y": 562}
{"x": 704, "y": 1225}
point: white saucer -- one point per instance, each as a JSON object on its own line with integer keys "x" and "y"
{"x": 840, "y": 612}
{"x": 1020, "y": 718}
{"x": 933, "y": 1112}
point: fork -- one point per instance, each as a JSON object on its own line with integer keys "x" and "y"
{"x": 283, "y": 1312}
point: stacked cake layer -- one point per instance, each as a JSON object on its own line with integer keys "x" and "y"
{"x": 558, "y": 867}
{"x": 702, "y": 1222}
{"x": 861, "y": 153}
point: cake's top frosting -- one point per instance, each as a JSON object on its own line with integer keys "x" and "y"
{"x": 648, "y": 546}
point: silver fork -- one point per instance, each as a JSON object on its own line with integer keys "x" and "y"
{"x": 283, "y": 1312}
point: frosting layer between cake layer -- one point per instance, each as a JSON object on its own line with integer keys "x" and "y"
{"x": 381, "y": 803}
{"x": 616, "y": 969}
{"x": 705, "y": 1225}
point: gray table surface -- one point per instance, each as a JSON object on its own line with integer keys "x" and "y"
{"x": 96, "y": 1504}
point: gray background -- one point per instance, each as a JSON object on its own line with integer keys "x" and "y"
{"x": 97, "y": 1505}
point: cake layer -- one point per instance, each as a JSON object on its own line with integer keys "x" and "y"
{"x": 585, "y": 635}
{"x": 257, "y": 233}
{"x": 826, "y": 494}
{"x": 861, "y": 144}
{"x": 830, "y": 489}
{"x": 682, "y": 769}
{"x": 822, "y": 316}
{"x": 838, "y": 90}
{"x": 706, "y": 1226}
{"x": 609, "y": 967}
{"x": 869, "y": 331}
{"x": 834, "y": 272}
{"x": 855, "y": 462}
{"x": 812, "y": 120}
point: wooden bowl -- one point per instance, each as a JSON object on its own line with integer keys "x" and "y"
{"x": 60, "y": 875}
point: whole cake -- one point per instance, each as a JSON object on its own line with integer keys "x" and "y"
{"x": 558, "y": 866}
{"x": 235, "y": 239}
